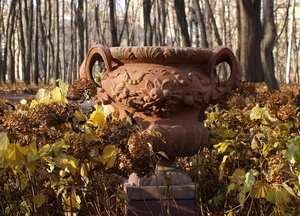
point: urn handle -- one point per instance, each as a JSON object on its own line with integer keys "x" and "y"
{"x": 97, "y": 53}
{"x": 224, "y": 54}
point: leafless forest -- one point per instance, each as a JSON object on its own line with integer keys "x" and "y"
{"x": 43, "y": 39}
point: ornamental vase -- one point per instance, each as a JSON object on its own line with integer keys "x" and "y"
{"x": 168, "y": 89}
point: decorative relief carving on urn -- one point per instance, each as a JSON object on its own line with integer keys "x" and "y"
{"x": 170, "y": 89}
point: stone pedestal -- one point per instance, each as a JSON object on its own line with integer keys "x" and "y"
{"x": 169, "y": 192}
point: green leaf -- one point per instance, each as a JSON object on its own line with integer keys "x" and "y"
{"x": 231, "y": 187}
{"x": 292, "y": 153}
{"x": 242, "y": 197}
{"x": 271, "y": 197}
{"x": 7, "y": 210}
{"x": 32, "y": 157}
{"x": 249, "y": 182}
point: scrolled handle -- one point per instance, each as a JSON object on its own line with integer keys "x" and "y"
{"x": 97, "y": 53}
{"x": 224, "y": 54}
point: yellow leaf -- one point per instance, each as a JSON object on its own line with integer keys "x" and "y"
{"x": 84, "y": 170}
{"x": 79, "y": 116}
{"x": 289, "y": 189}
{"x": 39, "y": 199}
{"x": 262, "y": 113}
{"x": 43, "y": 94}
{"x": 222, "y": 166}
{"x": 47, "y": 101}
{"x": 58, "y": 144}
{"x": 108, "y": 109}
{"x": 33, "y": 103}
{"x": 72, "y": 201}
{"x": 21, "y": 181}
{"x": 238, "y": 176}
{"x": 62, "y": 161}
{"x": 109, "y": 155}
{"x": 97, "y": 118}
{"x": 31, "y": 166}
{"x": 45, "y": 149}
{"x": 90, "y": 136}
{"x": 57, "y": 95}
{"x": 31, "y": 148}
{"x": 260, "y": 189}
{"x": 72, "y": 164}
{"x": 222, "y": 146}
{"x": 231, "y": 214}
{"x": 256, "y": 141}
{"x": 4, "y": 143}
{"x": 14, "y": 157}
{"x": 63, "y": 87}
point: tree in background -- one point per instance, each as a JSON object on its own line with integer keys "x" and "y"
{"x": 43, "y": 39}
{"x": 181, "y": 18}
{"x": 267, "y": 45}
{"x": 251, "y": 36}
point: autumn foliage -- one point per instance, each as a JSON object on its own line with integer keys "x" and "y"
{"x": 59, "y": 158}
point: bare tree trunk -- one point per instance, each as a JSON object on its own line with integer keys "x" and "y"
{"x": 80, "y": 30}
{"x": 36, "y": 50}
{"x": 201, "y": 24}
{"x": 64, "y": 63}
{"x": 289, "y": 50}
{"x": 74, "y": 54}
{"x": 113, "y": 27}
{"x": 29, "y": 31}
{"x": 2, "y": 32}
{"x": 213, "y": 21}
{"x": 125, "y": 22}
{"x": 9, "y": 61}
{"x": 251, "y": 36}
{"x": 86, "y": 24}
{"x": 181, "y": 18}
{"x": 22, "y": 31}
{"x": 56, "y": 56}
{"x": 148, "y": 32}
{"x": 267, "y": 45}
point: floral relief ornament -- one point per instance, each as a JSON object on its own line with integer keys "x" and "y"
{"x": 168, "y": 87}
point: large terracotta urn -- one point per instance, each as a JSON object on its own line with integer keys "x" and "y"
{"x": 169, "y": 88}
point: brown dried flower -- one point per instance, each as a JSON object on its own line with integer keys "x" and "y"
{"x": 83, "y": 87}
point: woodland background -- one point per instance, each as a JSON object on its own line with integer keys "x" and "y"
{"x": 43, "y": 39}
